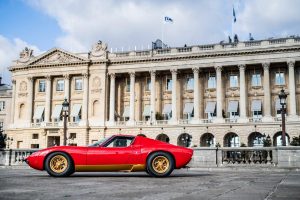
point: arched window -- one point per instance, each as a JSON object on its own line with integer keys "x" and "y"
{"x": 231, "y": 140}
{"x": 256, "y": 139}
{"x": 207, "y": 140}
{"x": 22, "y": 111}
{"x": 277, "y": 139}
{"x": 96, "y": 108}
{"x": 184, "y": 140}
{"x": 163, "y": 137}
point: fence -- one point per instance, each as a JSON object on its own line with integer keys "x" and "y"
{"x": 274, "y": 157}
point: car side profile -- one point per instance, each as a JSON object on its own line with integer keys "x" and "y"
{"x": 116, "y": 153}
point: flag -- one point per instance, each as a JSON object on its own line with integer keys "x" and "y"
{"x": 234, "y": 16}
{"x": 168, "y": 19}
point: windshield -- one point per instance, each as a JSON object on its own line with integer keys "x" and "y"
{"x": 99, "y": 142}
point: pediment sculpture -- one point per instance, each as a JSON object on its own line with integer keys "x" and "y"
{"x": 99, "y": 49}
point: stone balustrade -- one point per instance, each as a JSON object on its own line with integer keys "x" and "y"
{"x": 205, "y": 157}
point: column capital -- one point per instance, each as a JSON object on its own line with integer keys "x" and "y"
{"x": 112, "y": 75}
{"x": 242, "y": 67}
{"x": 48, "y": 78}
{"x": 266, "y": 65}
{"x": 291, "y": 63}
{"x": 131, "y": 74}
{"x": 85, "y": 75}
{"x": 173, "y": 71}
{"x": 30, "y": 78}
{"x": 196, "y": 70}
{"x": 66, "y": 76}
{"x": 152, "y": 72}
{"x": 218, "y": 68}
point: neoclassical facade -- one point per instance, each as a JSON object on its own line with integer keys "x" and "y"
{"x": 206, "y": 95}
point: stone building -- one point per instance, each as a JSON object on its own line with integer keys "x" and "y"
{"x": 205, "y": 95}
{"x": 5, "y": 105}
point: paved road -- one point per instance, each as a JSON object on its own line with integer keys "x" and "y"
{"x": 183, "y": 184}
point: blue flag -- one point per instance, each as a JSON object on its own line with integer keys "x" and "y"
{"x": 234, "y": 16}
{"x": 168, "y": 19}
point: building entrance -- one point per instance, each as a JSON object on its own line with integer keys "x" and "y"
{"x": 53, "y": 141}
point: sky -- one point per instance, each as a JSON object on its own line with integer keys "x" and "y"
{"x": 75, "y": 25}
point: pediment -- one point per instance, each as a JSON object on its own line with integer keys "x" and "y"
{"x": 57, "y": 56}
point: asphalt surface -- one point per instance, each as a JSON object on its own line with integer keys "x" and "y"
{"x": 182, "y": 184}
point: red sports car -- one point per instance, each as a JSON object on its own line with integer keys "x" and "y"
{"x": 116, "y": 153}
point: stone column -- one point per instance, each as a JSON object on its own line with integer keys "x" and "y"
{"x": 292, "y": 92}
{"x": 219, "y": 91}
{"x": 174, "y": 96}
{"x": 30, "y": 99}
{"x": 48, "y": 99}
{"x": 67, "y": 86}
{"x": 152, "y": 98}
{"x": 267, "y": 93}
{"x": 112, "y": 98}
{"x": 85, "y": 99}
{"x": 132, "y": 98}
{"x": 196, "y": 95}
{"x": 13, "y": 101}
{"x": 243, "y": 95}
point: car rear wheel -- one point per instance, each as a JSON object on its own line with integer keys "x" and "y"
{"x": 59, "y": 164}
{"x": 160, "y": 164}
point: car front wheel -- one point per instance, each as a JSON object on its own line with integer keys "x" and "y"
{"x": 160, "y": 164}
{"x": 59, "y": 164}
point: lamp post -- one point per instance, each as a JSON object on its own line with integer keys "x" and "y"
{"x": 65, "y": 106}
{"x": 282, "y": 97}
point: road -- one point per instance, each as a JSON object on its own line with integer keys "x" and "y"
{"x": 182, "y": 184}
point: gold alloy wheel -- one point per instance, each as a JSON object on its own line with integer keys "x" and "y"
{"x": 160, "y": 164}
{"x": 58, "y": 164}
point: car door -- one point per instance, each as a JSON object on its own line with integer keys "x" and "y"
{"x": 118, "y": 154}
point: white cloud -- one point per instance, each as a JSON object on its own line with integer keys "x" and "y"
{"x": 9, "y": 50}
{"x": 124, "y": 23}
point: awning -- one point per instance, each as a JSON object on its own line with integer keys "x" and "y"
{"x": 167, "y": 109}
{"x": 57, "y": 111}
{"x": 256, "y": 105}
{"x": 233, "y": 106}
{"x": 188, "y": 108}
{"x": 277, "y": 105}
{"x": 126, "y": 111}
{"x": 210, "y": 107}
{"x": 146, "y": 110}
{"x": 75, "y": 110}
{"x": 38, "y": 112}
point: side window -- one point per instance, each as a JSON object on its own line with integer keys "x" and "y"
{"x": 120, "y": 142}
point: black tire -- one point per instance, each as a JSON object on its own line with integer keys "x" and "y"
{"x": 67, "y": 166}
{"x": 164, "y": 158}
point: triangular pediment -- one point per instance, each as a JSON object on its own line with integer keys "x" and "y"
{"x": 57, "y": 56}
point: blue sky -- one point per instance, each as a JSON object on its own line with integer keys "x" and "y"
{"x": 75, "y": 25}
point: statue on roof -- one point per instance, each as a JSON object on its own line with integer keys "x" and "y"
{"x": 26, "y": 54}
{"x": 99, "y": 49}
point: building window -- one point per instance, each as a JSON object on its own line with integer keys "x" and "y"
{"x": 35, "y": 136}
{"x": 169, "y": 84}
{"x": 78, "y": 83}
{"x": 279, "y": 78}
{"x": 189, "y": 83}
{"x": 257, "y": 114}
{"x": 148, "y": 84}
{"x": 256, "y": 80}
{"x": 233, "y": 81}
{"x": 211, "y": 82}
{"x": 73, "y": 135}
{"x": 2, "y": 105}
{"x": 60, "y": 85}
{"x": 42, "y": 85}
{"x": 35, "y": 146}
{"x": 127, "y": 86}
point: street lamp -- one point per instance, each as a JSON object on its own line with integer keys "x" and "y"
{"x": 65, "y": 106}
{"x": 282, "y": 97}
